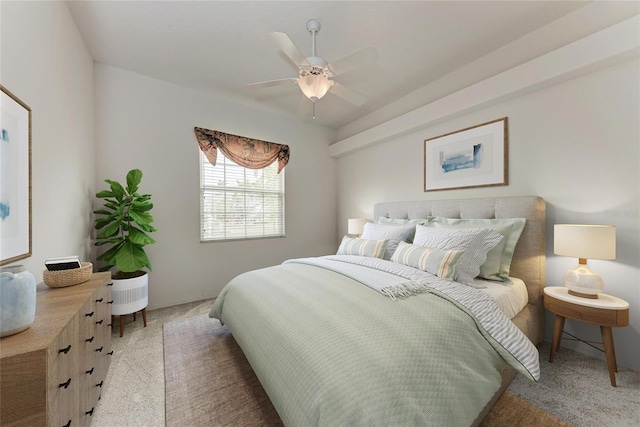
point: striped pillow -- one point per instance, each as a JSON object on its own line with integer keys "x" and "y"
{"x": 362, "y": 247}
{"x": 442, "y": 263}
{"x": 394, "y": 233}
{"x": 498, "y": 263}
{"x": 476, "y": 242}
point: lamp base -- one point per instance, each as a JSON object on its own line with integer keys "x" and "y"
{"x": 581, "y": 295}
{"x": 583, "y": 282}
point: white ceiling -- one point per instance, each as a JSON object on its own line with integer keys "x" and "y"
{"x": 221, "y": 46}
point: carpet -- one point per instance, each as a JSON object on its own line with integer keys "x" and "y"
{"x": 209, "y": 382}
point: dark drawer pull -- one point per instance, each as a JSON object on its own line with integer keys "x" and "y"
{"x": 99, "y": 349}
{"x": 110, "y": 353}
{"x": 99, "y": 300}
{"x": 89, "y": 340}
{"x": 90, "y": 413}
{"x": 89, "y": 314}
{"x": 110, "y": 302}
{"x": 100, "y": 384}
{"x": 89, "y": 372}
{"x": 65, "y": 384}
{"x": 99, "y": 322}
{"x": 109, "y": 284}
{"x": 68, "y": 424}
{"x": 65, "y": 350}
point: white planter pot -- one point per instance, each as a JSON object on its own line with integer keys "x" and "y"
{"x": 129, "y": 295}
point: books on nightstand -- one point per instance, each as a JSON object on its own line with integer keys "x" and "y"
{"x": 62, "y": 263}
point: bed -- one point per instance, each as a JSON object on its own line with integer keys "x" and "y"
{"x": 367, "y": 340}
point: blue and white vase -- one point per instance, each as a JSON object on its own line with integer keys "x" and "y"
{"x": 17, "y": 299}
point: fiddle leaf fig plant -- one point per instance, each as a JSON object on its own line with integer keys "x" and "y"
{"x": 124, "y": 222}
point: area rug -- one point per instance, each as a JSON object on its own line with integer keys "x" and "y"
{"x": 209, "y": 382}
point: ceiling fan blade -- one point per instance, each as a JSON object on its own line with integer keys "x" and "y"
{"x": 348, "y": 94}
{"x": 361, "y": 58}
{"x": 289, "y": 48}
{"x": 280, "y": 82}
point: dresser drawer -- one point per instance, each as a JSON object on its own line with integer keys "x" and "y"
{"x": 63, "y": 386}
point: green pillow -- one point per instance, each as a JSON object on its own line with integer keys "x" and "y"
{"x": 439, "y": 262}
{"x": 498, "y": 263}
{"x": 362, "y": 247}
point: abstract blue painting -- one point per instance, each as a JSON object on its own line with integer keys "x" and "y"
{"x": 471, "y": 157}
{"x": 464, "y": 159}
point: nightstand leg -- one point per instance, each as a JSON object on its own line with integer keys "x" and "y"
{"x": 558, "y": 327}
{"x": 610, "y": 352}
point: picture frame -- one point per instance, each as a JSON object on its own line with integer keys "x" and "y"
{"x": 15, "y": 178}
{"x": 473, "y": 157}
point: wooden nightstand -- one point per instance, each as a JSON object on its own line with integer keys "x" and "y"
{"x": 606, "y": 312}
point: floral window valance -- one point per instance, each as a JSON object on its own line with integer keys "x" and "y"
{"x": 247, "y": 152}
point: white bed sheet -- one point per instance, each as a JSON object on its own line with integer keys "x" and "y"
{"x": 510, "y": 298}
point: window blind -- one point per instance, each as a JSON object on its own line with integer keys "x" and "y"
{"x": 240, "y": 203}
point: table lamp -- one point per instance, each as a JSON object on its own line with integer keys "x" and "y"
{"x": 356, "y": 226}
{"x": 584, "y": 242}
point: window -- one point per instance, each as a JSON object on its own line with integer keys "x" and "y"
{"x": 240, "y": 203}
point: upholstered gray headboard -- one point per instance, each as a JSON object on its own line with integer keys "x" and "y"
{"x": 528, "y": 261}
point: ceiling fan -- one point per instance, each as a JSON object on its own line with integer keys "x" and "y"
{"x": 315, "y": 75}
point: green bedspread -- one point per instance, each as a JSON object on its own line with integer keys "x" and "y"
{"x": 332, "y": 352}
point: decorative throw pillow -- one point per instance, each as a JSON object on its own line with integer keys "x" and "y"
{"x": 498, "y": 263}
{"x": 476, "y": 242}
{"x": 393, "y": 233}
{"x": 440, "y": 262}
{"x": 362, "y": 247}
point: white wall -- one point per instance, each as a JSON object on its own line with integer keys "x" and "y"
{"x": 44, "y": 63}
{"x": 148, "y": 124}
{"x": 576, "y": 144}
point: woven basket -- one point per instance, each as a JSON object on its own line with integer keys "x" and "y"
{"x": 73, "y": 276}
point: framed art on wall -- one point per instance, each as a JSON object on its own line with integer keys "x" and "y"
{"x": 467, "y": 158}
{"x": 15, "y": 178}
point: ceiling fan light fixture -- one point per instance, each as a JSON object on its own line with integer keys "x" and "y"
{"x": 314, "y": 82}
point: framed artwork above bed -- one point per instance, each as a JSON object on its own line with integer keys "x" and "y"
{"x": 15, "y": 179}
{"x": 467, "y": 158}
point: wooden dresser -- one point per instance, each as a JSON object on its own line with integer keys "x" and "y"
{"x": 52, "y": 374}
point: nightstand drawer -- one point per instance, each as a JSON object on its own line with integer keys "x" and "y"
{"x": 596, "y": 316}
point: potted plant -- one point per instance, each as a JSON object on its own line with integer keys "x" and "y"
{"x": 124, "y": 223}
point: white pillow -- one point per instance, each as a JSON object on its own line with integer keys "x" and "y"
{"x": 393, "y": 233}
{"x": 476, "y": 242}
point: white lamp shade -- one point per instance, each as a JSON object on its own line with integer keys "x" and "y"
{"x": 356, "y": 226}
{"x": 585, "y": 241}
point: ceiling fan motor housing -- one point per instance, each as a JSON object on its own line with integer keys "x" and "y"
{"x": 313, "y": 25}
